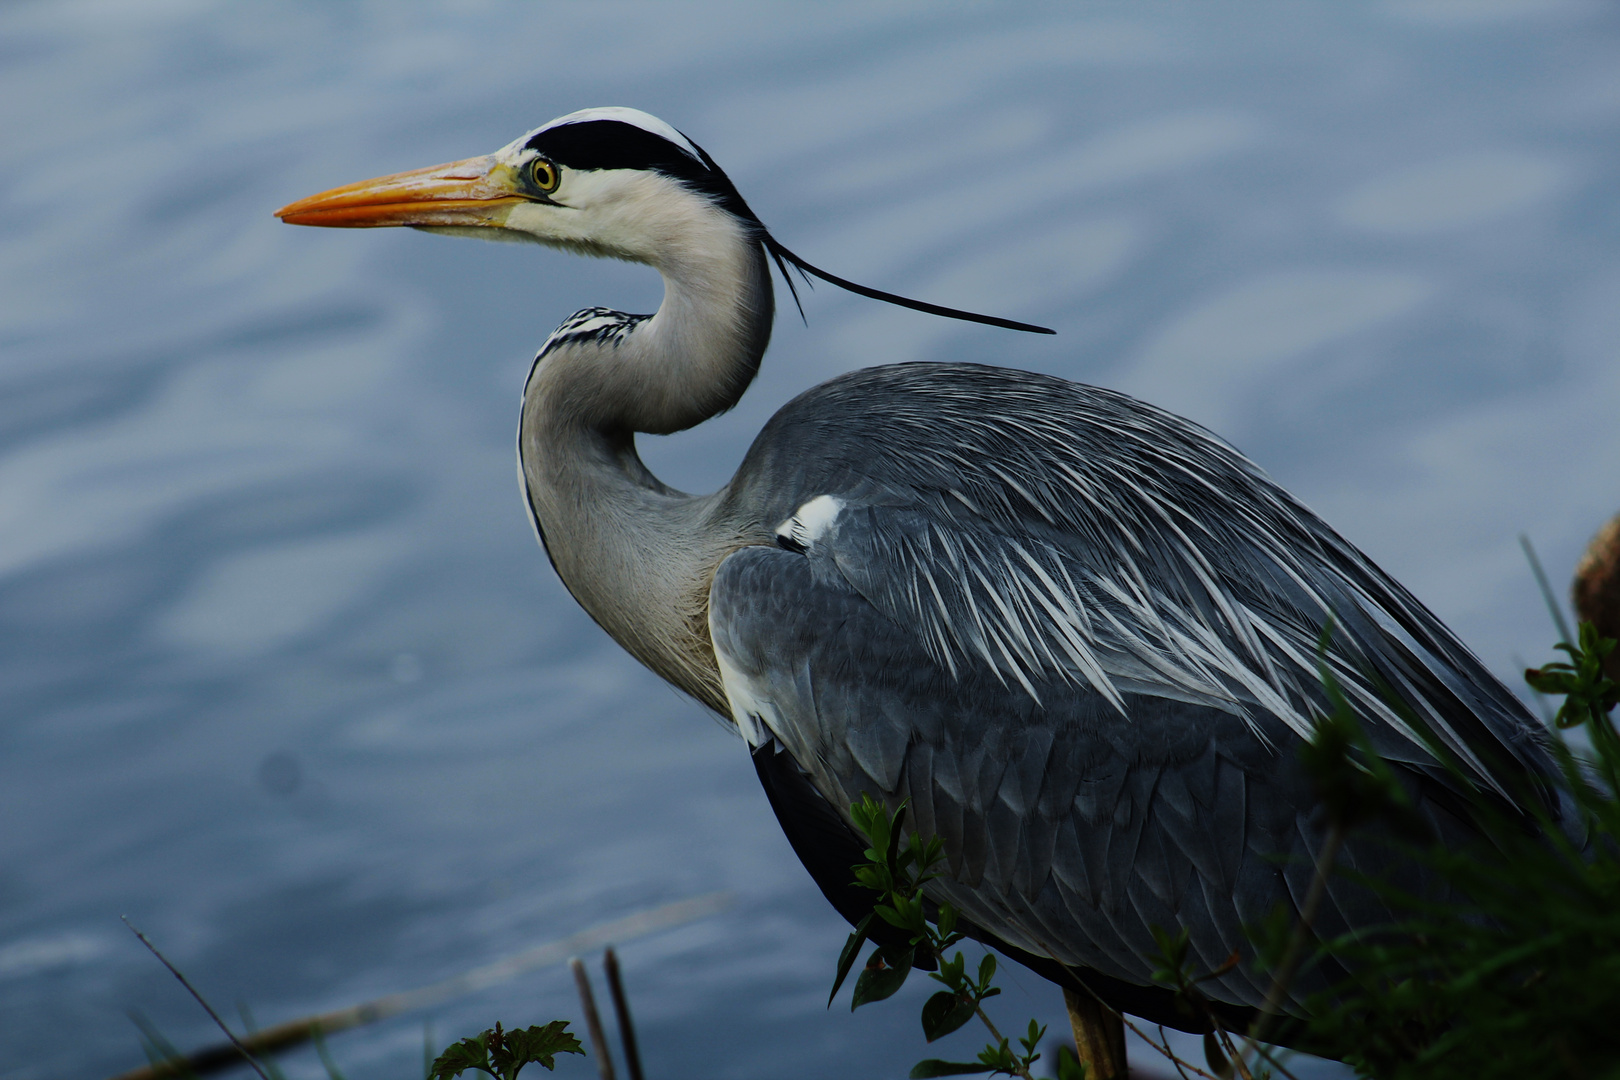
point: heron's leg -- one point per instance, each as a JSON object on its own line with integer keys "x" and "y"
{"x": 1099, "y": 1037}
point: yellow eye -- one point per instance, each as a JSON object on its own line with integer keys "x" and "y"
{"x": 544, "y": 174}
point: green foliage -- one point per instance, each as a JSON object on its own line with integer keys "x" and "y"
{"x": 503, "y": 1054}
{"x": 896, "y": 867}
{"x": 995, "y": 1058}
{"x": 1588, "y": 695}
{"x": 160, "y": 1052}
{"x": 1354, "y": 784}
{"x": 1524, "y": 978}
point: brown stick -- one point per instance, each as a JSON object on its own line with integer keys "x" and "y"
{"x": 621, "y": 1009}
{"x": 593, "y": 1020}
{"x": 1099, "y": 1037}
{"x": 295, "y": 1032}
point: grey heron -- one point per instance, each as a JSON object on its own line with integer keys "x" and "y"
{"x": 1078, "y": 633}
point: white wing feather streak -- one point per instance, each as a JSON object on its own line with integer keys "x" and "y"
{"x": 1065, "y": 535}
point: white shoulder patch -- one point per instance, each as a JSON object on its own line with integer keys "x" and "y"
{"x": 811, "y": 521}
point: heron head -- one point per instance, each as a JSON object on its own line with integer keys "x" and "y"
{"x": 613, "y": 182}
{"x": 610, "y": 181}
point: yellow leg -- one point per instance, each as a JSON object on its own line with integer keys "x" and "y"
{"x": 1099, "y": 1037}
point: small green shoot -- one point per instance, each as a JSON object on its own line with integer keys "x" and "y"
{"x": 897, "y": 865}
{"x": 1589, "y": 696}
{"x": 503, "y": 1054}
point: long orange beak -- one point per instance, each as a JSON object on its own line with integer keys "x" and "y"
{"x": 474, "y": 192}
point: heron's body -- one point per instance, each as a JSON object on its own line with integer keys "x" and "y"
{"x": 1077, "y": 633}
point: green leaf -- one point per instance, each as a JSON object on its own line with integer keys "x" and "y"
{"x": 915, "y": 919}
{"x": 891, "y": 915}
{"x": 950, "y": 973}
{"x": 944, "y": 1013}
{"x": 846, "y": 959}
{"x": 503, "y": 1054}
{"x": 871, "y": 877}
{"x": 540, "y": 1045}
{"x": 1172, "y": 958}
{"x": 896, "y": 829}
{"x": 1588, "y": 695}
{"x": 885, "y": 973}
{"x": 1270, "y": 936}
{"x": 987, "y": 970}
{"x": 459, "y": 1057}
{"x": 935, "y": 1067}
{"x": 999, "y": 1057}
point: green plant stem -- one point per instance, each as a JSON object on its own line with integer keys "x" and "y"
{"x": 332, "y": 1070}
{"x": 996, "y": 1035}
{"x": 1545, "y": 586}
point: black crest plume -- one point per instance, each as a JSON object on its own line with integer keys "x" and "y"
{"x": 728, "y": 196}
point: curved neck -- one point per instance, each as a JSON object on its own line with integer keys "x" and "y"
{"x": 638, "y": 555}
{"x": 691, "y": 360}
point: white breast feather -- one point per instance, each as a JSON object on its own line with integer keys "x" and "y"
{"x": 748, "y": 708}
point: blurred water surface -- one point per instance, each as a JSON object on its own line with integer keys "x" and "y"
{"x": 285, "y": 678}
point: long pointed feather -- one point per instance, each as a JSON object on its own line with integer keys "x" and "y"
{"x": 780, "y": 252}
{"x": 737, "y": 204}
{"x": 782, "y": 267}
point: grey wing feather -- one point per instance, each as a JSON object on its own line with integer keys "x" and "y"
{"x": 1058, "y": 842}
{"x": 1080, "y": 636}
{"x": 1065, "y": 536}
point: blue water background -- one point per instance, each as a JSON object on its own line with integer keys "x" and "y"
{"x": 285, "y": 678}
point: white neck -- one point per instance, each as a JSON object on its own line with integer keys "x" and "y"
{"x": 638, "y": 555}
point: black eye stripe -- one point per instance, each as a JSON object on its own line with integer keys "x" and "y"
{"x": 614, "y": 144}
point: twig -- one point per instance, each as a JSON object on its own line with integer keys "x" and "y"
{"x": 1231, "y": 1051}
{"x": 996, "y": 1035}
{"x": 1546, "y": 589}
{"x": 1217, "y": 1029}
{"x": 1264, "y": 1051}
{"x": 207, "y": 1008}
{"x": 297, "y": 1032}
{"x": 593, "y": 1021}
{"x": 621, "y": 1009}
{"x": 1175, "y": 1062}
{"x": 1140, "y": 1034}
